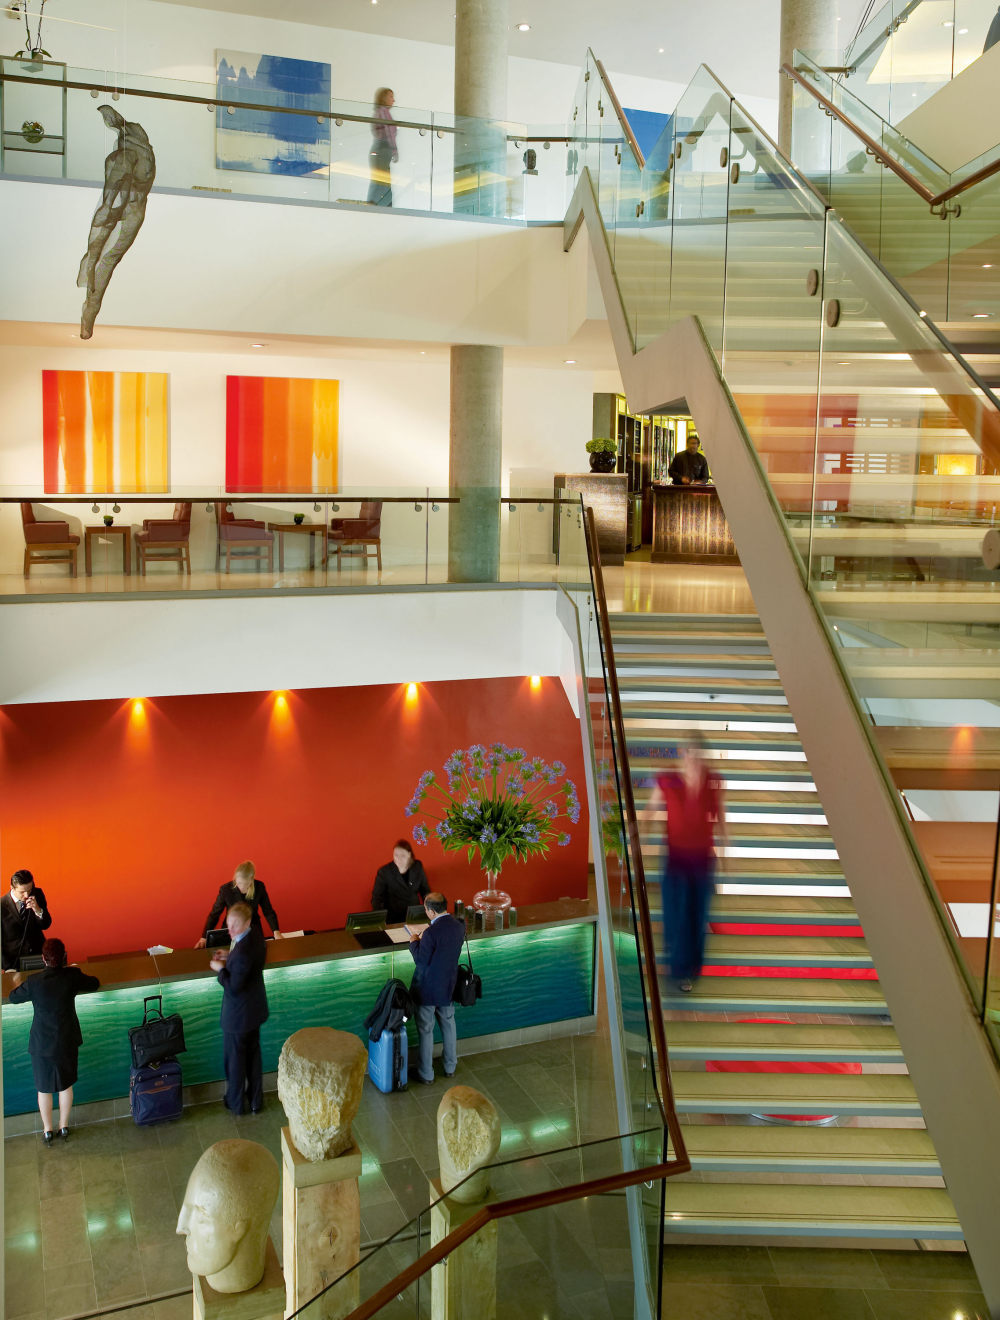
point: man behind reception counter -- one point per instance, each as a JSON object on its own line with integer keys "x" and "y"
{"x": 690, "y": 466}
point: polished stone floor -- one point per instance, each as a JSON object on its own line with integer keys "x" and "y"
{"x": 91, "y": 1223}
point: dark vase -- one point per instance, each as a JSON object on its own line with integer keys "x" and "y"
{"x": 602, "y": 462}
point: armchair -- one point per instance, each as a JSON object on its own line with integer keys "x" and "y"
{"x": 241, "y": 538}
{"x": 166, "y": 539}
{"x": 47, "y": 541}
{"x": 365, "y": 530}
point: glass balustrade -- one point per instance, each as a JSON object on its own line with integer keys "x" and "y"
{"x": 232, "y": 140}
{"x": 213, "y": 540}
{"x": 881, "y": 446}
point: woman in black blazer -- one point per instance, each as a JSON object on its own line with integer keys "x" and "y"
{"x": 55, "y": 1037}
{"x": 243, "y": 888}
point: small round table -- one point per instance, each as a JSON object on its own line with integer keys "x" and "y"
{"x": 126, "y": 538}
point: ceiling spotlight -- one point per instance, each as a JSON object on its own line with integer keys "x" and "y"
{"x": 987, "y": 265}
{"x": 660, "y": 50}
{"x": 569, "y": 362}
{"x": 981, "y": 316}
{"x": 524, "y": 27}
{"x": 963, "y": 32}
{"x": 258, "y": 346}
{"x": 948, "y": 23}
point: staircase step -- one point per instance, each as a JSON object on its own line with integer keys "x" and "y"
{"x": 780, "y": 994}
{"x": 743, "y": 716}
{"x": 777, "y": 911}
{"x": 785, "y": 951}
{"x": 781, "y": 1042}
{"x": 889, "y": 1095}
{"x": 806, "y": 1148}
{"x": 637, "y": 621}
{"x": 812, "y": 1211}
{"x": 738, "y": 873}
{"x": 744, "y": 743}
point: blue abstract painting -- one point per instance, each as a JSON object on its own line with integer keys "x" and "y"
{"x": 266, "y": 141}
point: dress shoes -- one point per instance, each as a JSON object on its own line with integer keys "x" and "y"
{"x": 47, "y": 1138}
{"x": 64, "y": 1134}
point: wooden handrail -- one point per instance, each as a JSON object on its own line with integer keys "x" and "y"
{"x": 639, "y": 899}
{"x": 622, "y": 119}
{"x": 933, "y": 199}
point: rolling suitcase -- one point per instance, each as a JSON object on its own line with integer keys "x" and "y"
{"x": 388, "y": 1058}
{"x": 155, "y": 1092}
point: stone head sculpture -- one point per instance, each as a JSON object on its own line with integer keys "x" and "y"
{"x": 321, "y": 1074}
{"x": 468, "y": 1137}
{"x": 226, "y": 1212}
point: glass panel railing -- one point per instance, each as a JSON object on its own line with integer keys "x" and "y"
{"x": 239, "y": 137}
{"x": 882, "y": 450}
{"x": 212, "y": 540}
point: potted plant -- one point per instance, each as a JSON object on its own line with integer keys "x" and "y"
{"x": 499, "y": 803}
{"x": 108, "y": 520}
{"x": 298, "y": 519}
{"x": 603, "y": 454}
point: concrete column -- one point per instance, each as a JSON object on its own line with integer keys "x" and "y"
{"x": 481, "y": 28}
{"x": 811, "y": 27}
{"x": 474, "y": 463}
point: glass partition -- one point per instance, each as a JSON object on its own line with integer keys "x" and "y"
{"x": 211, "y": 540}
{"x": 240, "y": 138}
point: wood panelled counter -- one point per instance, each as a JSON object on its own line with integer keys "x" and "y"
{"x": 689, "y": 527}
{"x": 541, "y": 971}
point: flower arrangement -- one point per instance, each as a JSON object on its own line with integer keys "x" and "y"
{"x": 601, "y": 445}
{"x": 499, "y": 802}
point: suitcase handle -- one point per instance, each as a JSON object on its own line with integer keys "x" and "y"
{"x": 149, "y": 999}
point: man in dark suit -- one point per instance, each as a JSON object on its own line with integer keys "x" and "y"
{"x": 244, "y": 1009}
{"x": 436, "y": 949}
{"x": 24, "y": 915}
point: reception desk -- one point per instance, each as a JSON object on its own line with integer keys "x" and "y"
{"x": 542, "y": 971}
{"x": 689, "y": 527}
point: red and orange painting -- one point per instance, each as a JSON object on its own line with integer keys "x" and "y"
{"x": 281, "y": 434}
{"x": 104, "y": 431}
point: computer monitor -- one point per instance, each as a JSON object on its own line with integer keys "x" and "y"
{"x": 218, "y": 938}
{"x": 416, "y": 915}
{"x": 366, "y": 920}
{"x": 31, "y": 962}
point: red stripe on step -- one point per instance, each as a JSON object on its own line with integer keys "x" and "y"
{"x": 798, "y": 973}
{"x": 754, "y": 928}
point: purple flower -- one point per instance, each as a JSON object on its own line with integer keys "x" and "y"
{"x": 489, "y": 835}
{"x": 420, "y": 833}
{"x": 443, "y": 830}
{"x": 426, "y": 778}
{"x": 530, "y": 833}
{"x": 558, "y": 767}
{"x": 550, "y": 809}
{"x": 470, "y": 808}
{"x": 562, "y": 840}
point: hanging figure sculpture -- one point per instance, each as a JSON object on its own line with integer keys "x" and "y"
{"x": 129, "y": 172}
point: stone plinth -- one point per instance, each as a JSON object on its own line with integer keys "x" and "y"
{"x": 321, "y": 1074}
{"x": 265, "y": 1302}
{"x": 464, "y": 1285}
{"x": 321, "y": 1217}
{"x": 468, "y": 1128}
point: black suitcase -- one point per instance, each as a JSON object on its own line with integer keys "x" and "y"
{"x": 156, "y": 1092}
{"x": 157, "y": 1037}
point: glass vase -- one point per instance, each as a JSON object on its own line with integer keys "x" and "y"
{"x": 491, "y": 899}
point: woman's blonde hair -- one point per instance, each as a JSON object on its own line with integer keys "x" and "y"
{"x": 247, "y": 871}
{"x": 380, "y": 94}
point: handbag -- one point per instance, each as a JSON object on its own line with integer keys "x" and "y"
{"x": 157, "y": 1037}
{"x": 468, "y": 986}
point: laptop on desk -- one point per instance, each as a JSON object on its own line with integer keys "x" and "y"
{"x": 218, "y": 938}
{"x": 368, "y": 928}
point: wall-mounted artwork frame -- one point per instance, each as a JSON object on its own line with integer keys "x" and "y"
{"x": 105, "y": 431}
{"x": 268, "y": 141}
{"x": 281, "y": 434}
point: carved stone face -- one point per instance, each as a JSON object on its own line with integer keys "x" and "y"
{"x": 226, "y": 1212}
{"x": 468, "y": 1138}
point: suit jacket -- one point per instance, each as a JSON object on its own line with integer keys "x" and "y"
{"x": 436, "y": 954}
{"x": 396, "y": 892}
{"x": 244, "y": 999}
{"x": 55, "y": 1028}
{"x": 229, "y": 894}
{"x": 13, "y": 925}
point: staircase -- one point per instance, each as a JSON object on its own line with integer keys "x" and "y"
{"x": 788, "y": 1017}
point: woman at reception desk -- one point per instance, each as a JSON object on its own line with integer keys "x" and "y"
{"x": 689, "y": 525}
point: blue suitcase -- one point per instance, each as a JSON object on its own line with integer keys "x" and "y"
{"x": 155, "y": 1092}
{"x": 388, "y": 1059}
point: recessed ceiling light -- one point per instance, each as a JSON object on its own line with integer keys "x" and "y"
{"x": 258, "y": 346}
{"x": 981, "y": 316}
{"x": 524, "y": 27}
{"x": 569, "y": 362}
{"x": 660, "y": 51}
{"x": 987, "y": 265}
{"x": 963, "y": 32}
{"x": 948, "y": 23}
{"x": 843, "y": 364}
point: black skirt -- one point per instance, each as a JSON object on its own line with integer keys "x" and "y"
{"x": 54, "y": 1074}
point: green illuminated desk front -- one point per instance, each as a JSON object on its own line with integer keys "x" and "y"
{"x": 543, "y": 971}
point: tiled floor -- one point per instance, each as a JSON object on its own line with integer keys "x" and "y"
{"x": 93, "y": 1222}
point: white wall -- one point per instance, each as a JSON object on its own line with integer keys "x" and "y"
{"x": 393, "y": 428}
{"x": 161, "y": 648}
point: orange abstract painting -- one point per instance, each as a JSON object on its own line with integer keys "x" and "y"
{"x": 281, "y": 434}
{"x": 104, "y": 431}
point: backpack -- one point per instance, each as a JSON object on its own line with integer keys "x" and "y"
{"x": 392, "y": 1008}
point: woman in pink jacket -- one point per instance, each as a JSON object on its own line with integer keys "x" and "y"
{"x": 383, "y": 151}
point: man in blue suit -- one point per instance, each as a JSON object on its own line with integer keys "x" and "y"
{"x": 436, "y": 949}
{"x": 244, "y": 1009}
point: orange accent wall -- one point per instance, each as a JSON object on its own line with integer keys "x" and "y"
{"x": 131, "y": 815}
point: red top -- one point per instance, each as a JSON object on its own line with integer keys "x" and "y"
{"x": 691, "y": 813}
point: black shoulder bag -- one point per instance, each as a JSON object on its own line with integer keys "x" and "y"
{"x": 468, "y": 986}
